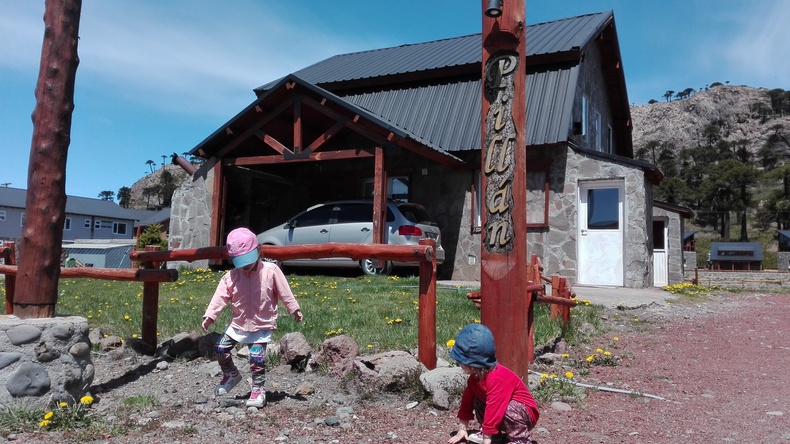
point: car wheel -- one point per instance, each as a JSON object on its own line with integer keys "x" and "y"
{"x": 369, "y": 267}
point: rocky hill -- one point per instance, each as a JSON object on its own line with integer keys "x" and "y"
{"x": 741, "y": 112}
{"x": 140, "y": 199}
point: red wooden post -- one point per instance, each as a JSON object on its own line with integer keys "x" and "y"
{"x": 45, "y": 205}
{"x": 150, "y": 303}
{"x": 426, "y": 327}
{"x": 504, "y": 307}
{"x": 9, "y": 258}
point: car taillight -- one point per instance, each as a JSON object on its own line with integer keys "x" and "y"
{"x": 409, "y": 230}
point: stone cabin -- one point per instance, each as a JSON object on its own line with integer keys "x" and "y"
{"x": 408, "y": 119}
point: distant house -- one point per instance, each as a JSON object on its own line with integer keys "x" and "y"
{"x": 145, "y": 218}
{"x": 85, "y": 218}
{"x": 408, "y": 119}
{"x": 736, "y": 256}
{"x": 98, "y": 253}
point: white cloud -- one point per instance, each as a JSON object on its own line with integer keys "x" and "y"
{"x": 758, "y": 50}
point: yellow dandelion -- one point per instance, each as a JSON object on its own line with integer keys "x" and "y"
{"x": 565, "y": 355}
{"x": 590, "y": 358}
{"x": 616, "y": 338}
{"x": 86, "y": 400}
{"x": 44, "y": 423}
{"x": 569, "y": 375}
{"x": 599, "y": 350}
{"x": 62, "y": 404}
{"x": 450, "y": 343}
{"x": 606, "y": 353}
{"x": 49, "y": 415}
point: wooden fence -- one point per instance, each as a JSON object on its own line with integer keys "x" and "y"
{"x": 150, "y": 275}
{"x": 562, "y": 298}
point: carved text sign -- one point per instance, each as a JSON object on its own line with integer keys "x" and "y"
{"x": 498, "y": 151}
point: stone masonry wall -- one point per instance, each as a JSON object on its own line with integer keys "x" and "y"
{"x": 46, "y": 359}
{"x": 190, "y": 215}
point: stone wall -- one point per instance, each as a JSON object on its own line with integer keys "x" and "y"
{"x": 190, "y": 215}
{"x": 766, "y": 281}
{"x": 45, "y": 359}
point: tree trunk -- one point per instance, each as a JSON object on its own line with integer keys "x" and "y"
{"x": 744, "y": 234}
{"x": 42, "y": 233}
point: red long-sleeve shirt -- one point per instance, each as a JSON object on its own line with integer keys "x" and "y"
{"x": 496, "y": 390}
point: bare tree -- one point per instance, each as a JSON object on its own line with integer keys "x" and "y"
{"x": 42, "y": 234}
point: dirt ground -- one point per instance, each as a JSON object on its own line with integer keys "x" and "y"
{"x": 721, "y": 365}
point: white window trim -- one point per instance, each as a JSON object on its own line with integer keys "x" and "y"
{"x": 115, "y": 226}
{"x": 67, "y": 224}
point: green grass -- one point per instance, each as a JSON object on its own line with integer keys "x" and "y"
{"x": 379, "y": 312}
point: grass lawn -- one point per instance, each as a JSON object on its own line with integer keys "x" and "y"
{"x": 379, "y": 312}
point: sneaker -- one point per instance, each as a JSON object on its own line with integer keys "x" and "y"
{"x": 257, "y": 398}
{"x": 476, "y": 438}
{"x": 229, "y": 380}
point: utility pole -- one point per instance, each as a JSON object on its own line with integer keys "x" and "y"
{"x": 505, "y": 303}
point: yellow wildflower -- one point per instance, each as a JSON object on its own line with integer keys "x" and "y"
{"x": 86, "y": 400}
{"x": 450, "y": 343}
{"x": 44, "y": 423}
{"x": 569, "y": 375}
{"x": 49, "y": 415}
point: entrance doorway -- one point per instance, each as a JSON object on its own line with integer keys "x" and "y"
{"x": 600, "y": 245}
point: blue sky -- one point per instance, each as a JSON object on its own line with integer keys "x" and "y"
{"x": 157, "y": 77}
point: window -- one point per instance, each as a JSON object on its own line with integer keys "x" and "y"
{"x": 585, "y": 116}
{"x": 603, "y": 209}
{"x": 397, "y": 188}
{"x": 608, "y": 141}
{"x": 317, "y": 216}
{"x": 97, "y": 224}
{"x": 67, "y": 224}
{"x": 22, "y": 220}
{"x": 598, "y": 145}
{"x": 477, "y": 203}
{"x": 2, "y": 216}
{"x": 118, "y": 228}
{"x": 87, "y": 223}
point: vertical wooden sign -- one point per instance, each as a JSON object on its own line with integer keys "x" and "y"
{"x": 505, "y": 304}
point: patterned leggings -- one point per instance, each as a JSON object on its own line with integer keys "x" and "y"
{"x": 257, "y": 359}
{"x": 515, "y": 425}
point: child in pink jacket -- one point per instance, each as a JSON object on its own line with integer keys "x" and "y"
{"x": 252, "y": 290}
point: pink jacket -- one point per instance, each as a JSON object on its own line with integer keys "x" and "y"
{"x": 253, "y": 297}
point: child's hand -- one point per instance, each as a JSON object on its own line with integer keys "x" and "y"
{"x": 298, "y": 317}
{"x": 207, "y": 322}
{"x": 458, "y": 437}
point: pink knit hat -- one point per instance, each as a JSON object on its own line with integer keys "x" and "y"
{"x": 242, "y": 247}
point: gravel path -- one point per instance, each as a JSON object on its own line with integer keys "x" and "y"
{"x": 721, "y": 365}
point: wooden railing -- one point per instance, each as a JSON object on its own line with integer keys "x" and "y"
{"x": 150, "y": 275}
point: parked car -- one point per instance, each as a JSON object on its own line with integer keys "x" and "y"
{"x": 351, "y": 221}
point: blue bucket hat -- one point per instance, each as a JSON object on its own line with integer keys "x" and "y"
{"x": 474, "y": 346}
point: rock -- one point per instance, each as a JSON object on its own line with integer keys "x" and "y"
{"x": 304, "y": 389}
{"x": 206, "y": 345}
{"x": 561, "y": 406}
{"x": 30, "y": 379}
{"x": 549, "y": 358}
{"x": 162, "y": 365}
{"x": 337, "y": 354}
{"x": 294, "y": 348}
{"x": 440, "y": 382}
{"x": 23, "y": 334}
{"x": 332, "y": 421}
{"x": 391, "y": 371}
{"x": 411, "y": 405}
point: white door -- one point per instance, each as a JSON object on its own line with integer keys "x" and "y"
{"x": 601, "y": 209}
{"x": 660, "y": 273}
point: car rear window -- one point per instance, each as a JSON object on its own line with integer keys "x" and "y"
{"x": 416, "y": 214}
{"x": 351, "y": 213}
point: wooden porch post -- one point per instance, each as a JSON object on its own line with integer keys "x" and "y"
{"x": 45, "y": 206}
{"x": 379, "y": 197}
{"x": 505, "y": 305}
{"x": 218, "y": 207}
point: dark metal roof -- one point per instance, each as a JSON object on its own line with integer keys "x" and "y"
{"x": 784, "y": 233}
{"x": 15, "y": 198}
{"x": 564, "y": 35}
{"x": 686, "y": 212}
{"x": 688, "y": 235}
{"x": 736, "y": 251}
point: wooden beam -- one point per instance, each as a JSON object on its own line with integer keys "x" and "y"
{"x": 297, "y": 119}
{"x": 321, "y": 155}
{"x": 272, "y": 142}
{"x": 114, "y": 274}
{"x": 322, "y": 140}
{"x": 252, "y": 129}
